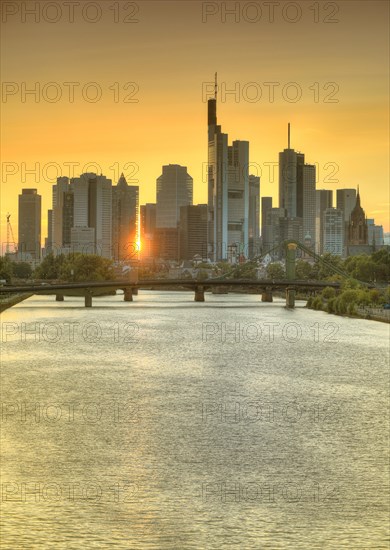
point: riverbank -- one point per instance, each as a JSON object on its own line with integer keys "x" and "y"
{"x": 12, "y": 300}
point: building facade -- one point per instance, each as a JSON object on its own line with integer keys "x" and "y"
{"x": 125, "y": 206}
{"x": 333, "y": 231}
{"x": 174, "y": 190}
{"x": 29, "y": 226}
{"x": 193, "y": 232}
{"x": 324, "y": 200}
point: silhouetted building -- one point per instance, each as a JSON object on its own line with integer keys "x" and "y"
{"x": 254, "y": 217}
{"x": 166, "y": 243}
{"x": 67, "y": 217}
{"x": 148, "y": 226}
{"x": 275, "y": 229}
{"x": 357, "y": 240}
{"x": 324, "y": 200}
{"x": 93, "y": 209}
{"x": 357, "y": 227}
{"x": 174, "y": 189}
{"x": 58, "y": 192}
{"x": 29, "y": 226}
{"x": 309, "y": 205}
{"x": 266, "y": 205}
{"x": 48, "y": 240}
{"x": 125, "y": 220}
{"x": 193, "y": 231}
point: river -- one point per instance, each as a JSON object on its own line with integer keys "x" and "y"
{"x": 169, "y": 424}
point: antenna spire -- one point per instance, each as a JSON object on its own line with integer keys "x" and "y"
{"x": 288, "y": 133}
{"x": 215, "y": 86}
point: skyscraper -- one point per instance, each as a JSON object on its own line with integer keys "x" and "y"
{"x": 29, "y": 226}
{"x": 324, "y": 200}
{"x": 333, "y": 231}
{"x": 266, "y": 205}
{"x": 174, "y": 189}
{"x": 148, "y": 227}
{"x": 228, "y": 191}
{"x": 346, "y": 200}
{"x": 309, "y": 204}
{"x": 93, "y": 209}
{"x": 58, "y": 191}
{"x": 48, "y": 240}
{"x": 297, "y": 182}
{"x": 193, "y": 231}
{"x": 125, "y": 220}
{"x": 254, "y": 217}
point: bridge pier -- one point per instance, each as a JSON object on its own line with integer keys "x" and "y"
{"x": 88, "y": 299}
{"x": 199, "y": 294}
{"x": 59, "y": 297}
{"x": 135, "y": 290}
{"x": 128, "y": 294}
{"x": 290, "y": 298}
{"x": 266, "y": 295}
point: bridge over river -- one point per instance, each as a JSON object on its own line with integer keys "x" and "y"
{"x": 224, "y": 283}
{"x": 93, "y": 288}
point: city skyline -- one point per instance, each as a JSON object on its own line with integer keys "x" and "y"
{"x": 346, "y": 140}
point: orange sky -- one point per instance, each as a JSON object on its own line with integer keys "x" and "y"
{"x": 169, "y": 53}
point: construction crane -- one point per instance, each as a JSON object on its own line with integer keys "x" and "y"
{"x": 10, "y": 233}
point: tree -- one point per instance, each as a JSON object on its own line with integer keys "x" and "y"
{"x": 303, "y": 270}
{"x": 86, "y": 267}
{"x": 327, "y": 264}
{"x": 328, "y": 293}
{"x": 5, "y": 268}
{"x": 50, "y": 267}
{"x": 275, "y": 271}
{"x": 22, "y": 270}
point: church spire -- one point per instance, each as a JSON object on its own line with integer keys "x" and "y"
{"x": 358, "y": 197}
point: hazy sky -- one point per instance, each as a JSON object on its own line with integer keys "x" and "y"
{"x": 335, "y": 54}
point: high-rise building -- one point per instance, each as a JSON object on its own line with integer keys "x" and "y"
{"x": 290, "y": 229}
{"x": 324, "y": 200}
{"x": 266, "y": 204}
{"x": 309, "y": 204}
{"x": 93, "y": 209}
{"x": 148, "y": 226}
{"x": 58, "y": 192}
{"x": 238, "y": 200}
{"x": 228, "y": 191}
{"x": 375, "y": 234}
{"x": 125, "y": 242}
{"x": 29, "y": 227}
{"x": 193, "y": 231}
{"x": 254, "y": 217}
{"x": 67, "y": 218}
{"x": 166, "y": 243}
{"x": 174, "y": 189}
{"x": 346, "y": 200}
{"x": 48, "y": 240}
{"x": 297, "y": 182}
{"x": 274, "y": 229}
{"x": 333, "y": 226}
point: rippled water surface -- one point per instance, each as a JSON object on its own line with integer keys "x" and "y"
{"x": 169, "y": 424}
